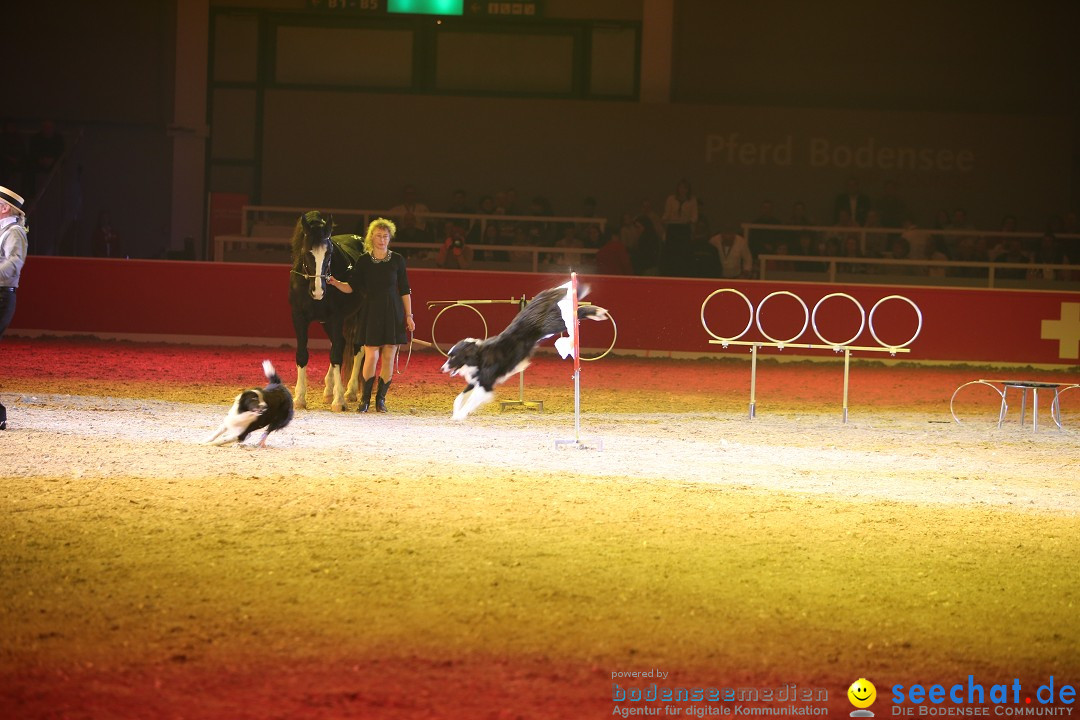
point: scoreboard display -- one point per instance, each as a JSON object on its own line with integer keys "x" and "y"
{"x": 519, "y": 9}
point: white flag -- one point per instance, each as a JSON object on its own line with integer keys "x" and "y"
{"x": 565, "y": 345}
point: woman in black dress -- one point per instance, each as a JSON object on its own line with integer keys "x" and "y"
{"x": 387, "y": 313}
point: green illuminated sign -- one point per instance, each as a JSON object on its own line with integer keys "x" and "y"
{"x": 426, "y": 7}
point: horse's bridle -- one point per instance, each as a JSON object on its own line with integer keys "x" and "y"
{"x": 326, "y": 263}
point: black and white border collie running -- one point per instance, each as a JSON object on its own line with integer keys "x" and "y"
{"x": 270, "y": 408}
{"x": 487, "y": 363}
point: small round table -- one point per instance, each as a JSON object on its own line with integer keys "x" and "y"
{"x": 1023, "y": 386}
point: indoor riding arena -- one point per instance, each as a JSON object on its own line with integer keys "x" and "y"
{"x": 818, "y": 457}
{"x": 404, "y": 565}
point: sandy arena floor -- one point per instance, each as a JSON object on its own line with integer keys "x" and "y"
{"x": 406, "y": 566}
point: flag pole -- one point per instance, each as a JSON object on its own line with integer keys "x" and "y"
{"x": 573, "y": 327}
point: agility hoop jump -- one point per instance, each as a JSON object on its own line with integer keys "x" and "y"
{"x": 521, "y": 302}
{"x": 809, "y": 319}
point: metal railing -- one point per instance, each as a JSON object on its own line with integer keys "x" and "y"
{"x": 274, "y": 219}
{"x": 539, "y": 257}
{"x": 863, "y": 232}
{"x": 985, "y": 273}
{"x": 836, "y": 265}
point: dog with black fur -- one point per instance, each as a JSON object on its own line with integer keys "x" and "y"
{"x": 268, "y": 409}
{"x": 486, "y": 363}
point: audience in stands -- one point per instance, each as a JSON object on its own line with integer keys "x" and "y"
{"x": 412, "y": 210}
{"x": 680, "y": 214}
{"x": 853, "y": 201}
{"x": 646, "y": 255}
{"x": 455, "y": 253}
{"x": 734, "y": 255}
{"x": 613, "y": 257}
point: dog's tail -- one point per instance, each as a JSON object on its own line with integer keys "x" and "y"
{"x": 271, "y": 373}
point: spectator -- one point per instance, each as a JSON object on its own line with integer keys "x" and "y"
{"x": 588, "y": 210}
{"x": 918, "y": 240}
{"x": 890, "y": 207}
{"x": 704, "y": 256}
{"x": 613, "y": 257}
{"x": 588, "y": 207}
{"x": 967, "y": 248}
{"x": 680, "y": 214}
{"x": 799, "y": 216}
{"x": 836, "y": 237}
{"x": 1049, "y": 253}
{"x": 937, "y": 250}
{"x": 1008, "y": 225}
{"x": 408, "y": 232}
{"x": 522, "y": 239}
{"x": 539, "y": 231}
{"x": 105, "y": 241}
{"x": 592, "y": 236}
{"x": 784, "y": 266}
{"x": 734, "y": 253}
{"x": 628, "y": 231}
{"x": 455, "y": 254}
{"x": 1013, "y": 253}
{"x": 765, "y": 241}
{"x": 900, "y": 250}
{"x": 569, "y": 239}
{"x": 646, "y": 256}
{"x": 478, "y": 232}
{"x": 459, "y": 203}
{"x": 850, "y": 249}
{"x": 807, "y": 247}
{"x": 645, "y": 207}
{"x": 876, "y": 242}
{"x": 410, "y": 207}
{"x": 491, "y": 237}
{"x": 855, "y": 202}
{"x": 511, "y": 202}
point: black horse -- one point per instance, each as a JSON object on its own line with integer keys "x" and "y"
{"x": 316, "y": 258}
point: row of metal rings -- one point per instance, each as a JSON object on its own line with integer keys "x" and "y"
{"x": 810, "y": 318}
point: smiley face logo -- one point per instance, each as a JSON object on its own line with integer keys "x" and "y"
{"x": 862, "y": 693}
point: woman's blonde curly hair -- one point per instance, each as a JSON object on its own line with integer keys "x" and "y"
{"x": 375, "y": 225}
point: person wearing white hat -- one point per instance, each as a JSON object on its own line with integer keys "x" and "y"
{"x": 12, "y": 257}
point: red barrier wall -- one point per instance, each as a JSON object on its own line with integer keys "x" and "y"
{"x": 231, "y": 302}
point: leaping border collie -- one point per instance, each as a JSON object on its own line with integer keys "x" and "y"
{"x": 487, "y": 363}
{"x": 270, "y": 407}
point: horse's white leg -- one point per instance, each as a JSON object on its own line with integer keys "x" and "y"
{"x": 328, "y": 384}
{"x": 300, "y": 393}
{"x": 335, "y": 389}
{"x": 353, "y": 389}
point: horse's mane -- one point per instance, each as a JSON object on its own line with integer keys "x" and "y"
{"x": 297, "y": 244}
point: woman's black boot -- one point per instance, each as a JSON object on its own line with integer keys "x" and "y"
{"x": 380, "y": 396}
{"x": 365, "y": 395}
